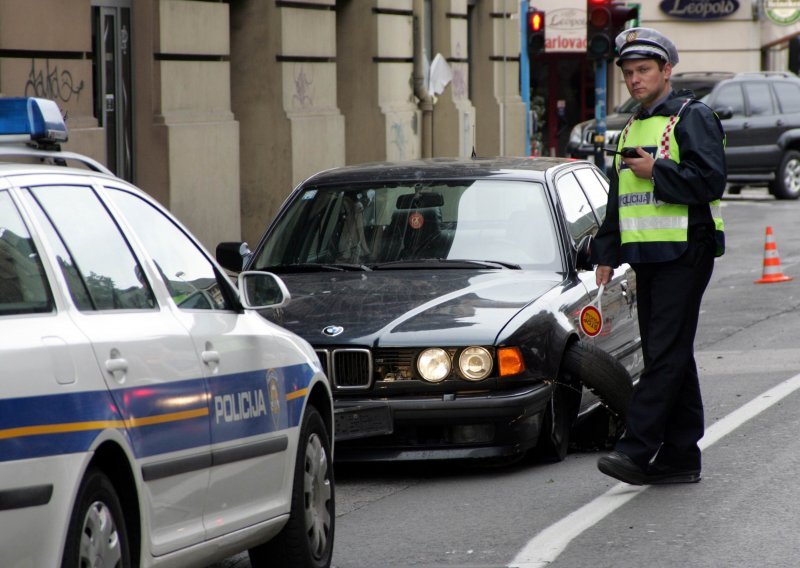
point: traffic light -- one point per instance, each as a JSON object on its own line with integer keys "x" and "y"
{"x": 605, "y": 20}
{"x": 535, "y": 32}
{"x": 599, "y": 33}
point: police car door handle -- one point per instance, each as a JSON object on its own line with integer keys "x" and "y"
{"x": 117, "y": 365}
{"x": 210, "y": 357}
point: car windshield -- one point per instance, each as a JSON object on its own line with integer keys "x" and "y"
{"x": 494, "y": 224}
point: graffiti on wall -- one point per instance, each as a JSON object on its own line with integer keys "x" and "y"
{"x": 52, "y": 82}
{"x": 302, "y": 88}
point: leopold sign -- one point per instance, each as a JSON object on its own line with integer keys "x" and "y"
{"x": 699, "y": 9}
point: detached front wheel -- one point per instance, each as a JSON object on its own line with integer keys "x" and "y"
{"x": 97, "y": 536}
{"x": 307, "y": 539}
{"x": 600, "y": 373}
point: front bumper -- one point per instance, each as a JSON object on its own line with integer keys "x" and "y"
{"x": 452, "y": 426}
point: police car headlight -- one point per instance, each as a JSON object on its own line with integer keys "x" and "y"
{"x": 475, "y": 363}
{"x": 434, "y": 365}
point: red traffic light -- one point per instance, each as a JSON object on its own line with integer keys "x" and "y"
{"x": 536, "y": 21}
{"x": 536, "y": 43}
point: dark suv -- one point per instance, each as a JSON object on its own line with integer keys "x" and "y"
{"x": 761, "y": 115}
{"x": 581, "y": 139}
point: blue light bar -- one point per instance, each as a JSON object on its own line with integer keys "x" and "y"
{"x": 40, "y": 119}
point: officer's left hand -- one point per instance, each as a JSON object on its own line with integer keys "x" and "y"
{"x": 642, "y": 167}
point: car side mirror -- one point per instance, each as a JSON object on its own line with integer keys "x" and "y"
{"x": 259, "y": 290}
{"x": 233, "y": 255}
{"x": 584, "y": 253}
{"x": 724, "y": 112}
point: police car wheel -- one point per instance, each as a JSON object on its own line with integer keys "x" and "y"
{"x": 97, "y": 535}
{"x": 307, "y": 539}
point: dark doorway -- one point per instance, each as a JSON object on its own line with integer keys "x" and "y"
{"x": 562, "y": 95}
{"x": 111, "y": 35}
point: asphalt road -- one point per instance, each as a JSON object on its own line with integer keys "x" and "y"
{"x": 741, "y": 514}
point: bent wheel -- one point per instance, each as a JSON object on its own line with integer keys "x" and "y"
{"x": 600, "y": 373}
{"x": 97, "y": 536}
{"x": 307, "y": 539}
{"x": 787, "y": 181}
{"x": 558, "y": 418}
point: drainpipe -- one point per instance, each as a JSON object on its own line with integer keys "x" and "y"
{"x": 422, "y": 49}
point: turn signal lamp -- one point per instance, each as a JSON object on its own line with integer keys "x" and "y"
{"x": 29, "y": 118}
{"x": 510, "y": 361}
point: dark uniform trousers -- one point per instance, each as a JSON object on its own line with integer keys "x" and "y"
{"x": 666, "y": 415}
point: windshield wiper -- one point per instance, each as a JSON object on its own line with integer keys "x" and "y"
{"x": 317, "y": 267}
{"x": 444, "y": 262}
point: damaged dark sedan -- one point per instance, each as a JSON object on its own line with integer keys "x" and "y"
{"x": 442, "y": 298}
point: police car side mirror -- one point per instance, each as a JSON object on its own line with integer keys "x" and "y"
{"x": 260, "y": 290}
{"x": 583, "y": 253}
{"x": 233, "y": 255}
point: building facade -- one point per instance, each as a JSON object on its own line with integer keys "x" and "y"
{"x": 219, "y": 108}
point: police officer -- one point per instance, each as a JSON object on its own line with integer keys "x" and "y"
{"x": 663, "y": 219}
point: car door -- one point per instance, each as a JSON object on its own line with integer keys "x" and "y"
{"x": 618, "y": 316}
{"x": 146, "y": 356}
{"x": 763, "y": 124}
{"x": 729, "y": 97}
{"x": 247, "y": 363}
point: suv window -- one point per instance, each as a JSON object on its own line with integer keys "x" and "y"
{"x": 97, "y": 261}
{"x": 730, "y": 96}
{"x": 190, "y": 278}
{"x": 759, "y": 98}
{"x": 23, "y": 286}
{"x": 788, "y": 96}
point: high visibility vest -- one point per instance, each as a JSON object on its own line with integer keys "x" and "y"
{"x": 658, "y": 230}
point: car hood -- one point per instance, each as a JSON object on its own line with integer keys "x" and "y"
{"x": 410, "y": 307}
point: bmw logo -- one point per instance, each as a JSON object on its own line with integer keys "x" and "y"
{"x": 333, "y": 330}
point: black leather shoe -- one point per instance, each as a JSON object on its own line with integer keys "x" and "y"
{"x": 620, "y": 466}
{"x": 658, "y": 474}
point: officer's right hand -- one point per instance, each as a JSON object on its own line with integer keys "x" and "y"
{"x": 603, "y": 274}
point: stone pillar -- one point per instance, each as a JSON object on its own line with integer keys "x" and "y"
{"x": 453, "y": 115}
{"x": 283, "y": 61}
{"x": 194, "y": 106}
{"x": 499, "y": 110}
{"x": 375, "y": 61}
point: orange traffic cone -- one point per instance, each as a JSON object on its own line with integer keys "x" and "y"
{"x": 772, "y": 262}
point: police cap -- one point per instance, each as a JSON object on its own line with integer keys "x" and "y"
{"x": 645, "y": 43}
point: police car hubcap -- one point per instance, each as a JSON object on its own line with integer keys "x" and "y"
{"x": 100, "y": 544}
{"x": 317, "y": 486}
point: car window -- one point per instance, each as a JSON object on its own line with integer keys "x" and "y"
{"x": 788, "y": 96}
{"x": 191, "y": 279}
{"x": 98, "y": 261}
{"x": 500, "y": 220}
{"x": 577, "y": 211}
{"x": 730, "y": 96}
{"x": 23, "y": 285}
{"x": 759, "y": 98}
{"x": 595, "y": 190}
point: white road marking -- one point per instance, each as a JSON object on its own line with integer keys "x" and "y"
{"x": 546, "y": 546}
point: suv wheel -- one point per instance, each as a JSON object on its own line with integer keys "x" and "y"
{"x": 787, "y": 181}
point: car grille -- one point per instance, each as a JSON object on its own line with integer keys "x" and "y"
{"x": 347, "y": 368}
{"x": 351, "y": 368}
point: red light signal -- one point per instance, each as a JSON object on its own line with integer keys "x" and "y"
{"x": 536, "y": 25}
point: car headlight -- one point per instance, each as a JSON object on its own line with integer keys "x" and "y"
{"x": 434, "y": 365}
{"x": 475, "y": 363}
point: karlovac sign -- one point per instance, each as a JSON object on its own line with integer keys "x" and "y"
{"x": 699, "y": 9}
{"x": 784, "y": 12}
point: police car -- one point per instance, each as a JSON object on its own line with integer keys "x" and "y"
{"x": 149, "y": 416}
